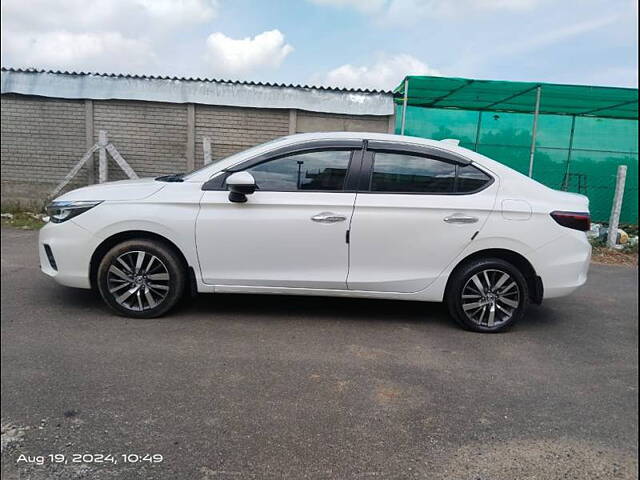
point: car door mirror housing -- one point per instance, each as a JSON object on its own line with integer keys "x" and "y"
{"x": 240, "y": 185}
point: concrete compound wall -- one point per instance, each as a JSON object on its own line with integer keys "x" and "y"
{"x": 42, "y": 138}
{"x": 235, "y": 129}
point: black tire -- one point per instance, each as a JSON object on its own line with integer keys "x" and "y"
{"x": 476, "y": 313}
{"x": 163, "y": 283}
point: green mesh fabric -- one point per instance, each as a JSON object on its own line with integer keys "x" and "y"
{"x": 585, "y": 162}
{"x": 492, "y": 95}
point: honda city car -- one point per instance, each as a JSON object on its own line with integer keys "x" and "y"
{"x": 331, "y": 214}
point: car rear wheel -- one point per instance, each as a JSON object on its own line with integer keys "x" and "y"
{"x": 487, "y": 295}
{"x": 141, "y": 278}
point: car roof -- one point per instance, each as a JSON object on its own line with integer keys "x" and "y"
{"x": 300, "y": 137}
{"x": 448, "y": 145}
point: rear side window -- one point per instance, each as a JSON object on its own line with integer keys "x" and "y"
{"x": 402, "y": 173}
{"x": 396, "y": 172}
{"x": 471, "y": 179}
{"x": 313, "y": 171}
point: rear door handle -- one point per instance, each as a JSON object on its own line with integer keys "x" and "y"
{"x": 457, "y": 218}
{"x": 328, "y": 217}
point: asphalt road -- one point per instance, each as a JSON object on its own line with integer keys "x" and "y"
{"x": 291, "y": 387}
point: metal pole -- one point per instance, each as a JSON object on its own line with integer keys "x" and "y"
{"x": 616, "y": 208}
{"x": 535, "y": 129}
{"x": 565, "y": 184}
{"x": 404, "y": 105}
{"x": 478, "y": 130}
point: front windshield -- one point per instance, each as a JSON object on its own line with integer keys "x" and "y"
{"x": 244, "y": 153}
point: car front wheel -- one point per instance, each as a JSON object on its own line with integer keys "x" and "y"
{"x": 141, "y": 278}
{"x": 487, "y": 295}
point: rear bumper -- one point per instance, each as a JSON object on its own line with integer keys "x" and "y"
{"x": 563, "y": 264}
{"x": 70, "y": 248}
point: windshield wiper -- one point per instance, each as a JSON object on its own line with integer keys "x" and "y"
{"x": 174, "y": 177}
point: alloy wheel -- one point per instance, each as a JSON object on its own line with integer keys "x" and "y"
{"x": 138, "y": 280}
{"x": 490, "y": 297}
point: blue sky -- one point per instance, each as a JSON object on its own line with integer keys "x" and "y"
{"x": 365, "y": 43}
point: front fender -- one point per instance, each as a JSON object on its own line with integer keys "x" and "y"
{"x": 109, "y": 219}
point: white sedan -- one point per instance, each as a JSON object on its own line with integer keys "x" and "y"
{"x": 332, "y": 214}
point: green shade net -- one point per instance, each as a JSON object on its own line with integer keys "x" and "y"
{"x": 583, "y": 132}
{"x": 492, "y": 95}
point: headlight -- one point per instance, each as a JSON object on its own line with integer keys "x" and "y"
{"x": 62, "y": 211}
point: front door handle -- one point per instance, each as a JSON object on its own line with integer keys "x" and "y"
{"x": 460, "y": 219}
{"x": 328, "y": 217}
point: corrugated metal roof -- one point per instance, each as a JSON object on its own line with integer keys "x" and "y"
{"x": 196, "y": 79}
{"x": 106, "y": 86}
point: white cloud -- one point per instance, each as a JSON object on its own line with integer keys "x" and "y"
{"x": 40, "y": 15}
{"x": 181, "y": 11}
{"x": 90, "y": 51}
{"x": 383, "y": 74}
{"x": 102, "y": 35}
{"x": 82, "y": 15}
{"x": 237, "y": 56}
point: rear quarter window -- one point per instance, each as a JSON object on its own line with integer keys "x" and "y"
{"x": 471, "y": 179}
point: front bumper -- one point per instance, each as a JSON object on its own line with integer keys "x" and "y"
{"x": 71, "y": 247}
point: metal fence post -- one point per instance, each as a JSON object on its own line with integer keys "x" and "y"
{"x": 536, "y": 113}
{"x": 617, "y": 206}
{"x": 102, "y": 155}
{"x": 404, "y": 105}
{"x": 565, "y": 183}
{"x": 478, "y": 127}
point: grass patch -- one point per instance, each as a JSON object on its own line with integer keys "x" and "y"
{"x": 22, "y": 220}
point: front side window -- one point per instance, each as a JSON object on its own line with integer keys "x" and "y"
{"x": 397, "y": 172}
{"x": 313, "y": 171}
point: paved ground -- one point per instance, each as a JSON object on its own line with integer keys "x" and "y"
{"x": 282, "y": 387}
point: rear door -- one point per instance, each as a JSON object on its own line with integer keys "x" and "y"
{"x": 292, "y": 231}
{"x": 414, "y": 213}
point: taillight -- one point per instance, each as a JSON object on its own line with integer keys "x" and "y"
{"x": 576, "y": 220}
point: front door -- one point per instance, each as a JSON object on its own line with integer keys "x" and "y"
{"x": 413, "y": 216}
{"x": 290, "y": 233}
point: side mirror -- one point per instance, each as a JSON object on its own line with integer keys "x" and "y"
{"x": 240, "y": 185}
